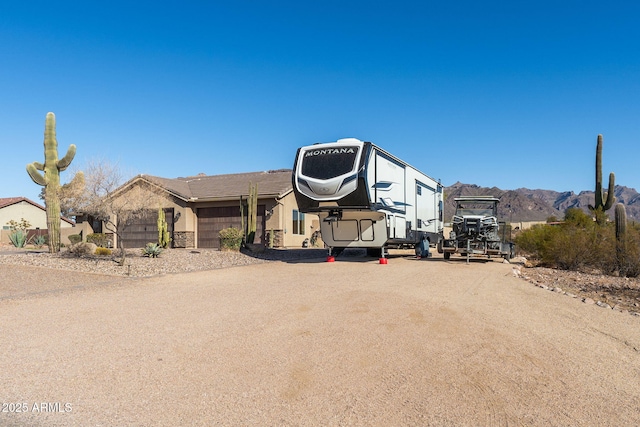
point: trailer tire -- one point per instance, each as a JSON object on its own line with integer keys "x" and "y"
{"x": 447, "y": 255}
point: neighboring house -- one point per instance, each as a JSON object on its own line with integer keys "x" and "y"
{"x": 17, "y": 208}
{"x": 198, "y": 207}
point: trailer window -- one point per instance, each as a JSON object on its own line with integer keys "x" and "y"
{"x": 325, "y": 163}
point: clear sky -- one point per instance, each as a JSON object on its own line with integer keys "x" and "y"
{"x": 496, "y": 93}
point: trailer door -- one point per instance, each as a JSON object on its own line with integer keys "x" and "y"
{"x": 426, "y": 207}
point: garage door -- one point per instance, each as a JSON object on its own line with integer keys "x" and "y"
{"x": 145, "y": 229}
{"x": 212, "y": 220}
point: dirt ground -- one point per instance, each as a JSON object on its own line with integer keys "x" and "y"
{"x": 308, "y": 343}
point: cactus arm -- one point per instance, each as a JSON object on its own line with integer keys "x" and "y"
{"x": 64, "y": 162}
{"x": 37, "y": 177}
{"x": 611, "y": 198}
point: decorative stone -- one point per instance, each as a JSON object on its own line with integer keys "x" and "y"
{"x": 603, "y": 304}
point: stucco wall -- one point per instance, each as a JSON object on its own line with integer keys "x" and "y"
{"x": 37, "y": 217}
{"x": 292, "y": 240}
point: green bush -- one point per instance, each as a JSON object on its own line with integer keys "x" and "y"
{"x": 99, "y": 239}
{"x": 231, "y": 239}
{"x": 75, "y": 238}
{"x": 103, "y": 251}
{"x": 579, "y": 243}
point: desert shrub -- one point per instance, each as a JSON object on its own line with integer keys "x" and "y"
{"x": 75, "y": 238}
{"x": 572, "y": 248}
{"x": 580, "y": 243}
{"x": 578, "y": 218}
{"x": 18, "y": 238}
{"x": 100, "y": 239}
{"x": 152, "y": 250}
{"x": 39, "y": 241}
{"x": 626, "y": 262}
{"x": 103, "y": 251}
{"x": 231, "y": 239}
{"x": 18, "y": 234}
{"x": 537, "y": 241}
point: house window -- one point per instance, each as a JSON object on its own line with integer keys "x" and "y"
{"x": 298, "y": 222}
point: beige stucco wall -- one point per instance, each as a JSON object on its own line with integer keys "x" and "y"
{"x": 37, "y": 217}
{"x": 291, "y": 240}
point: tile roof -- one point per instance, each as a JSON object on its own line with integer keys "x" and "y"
{"x": 8, "y": 201}
{"x": 275, "y": 183}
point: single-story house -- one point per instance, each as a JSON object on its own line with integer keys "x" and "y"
{"x": 17, "y": 208}
{"x": 198, "y": 207}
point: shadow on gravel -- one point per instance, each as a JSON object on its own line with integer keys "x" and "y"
{"x": 318, "y": 255}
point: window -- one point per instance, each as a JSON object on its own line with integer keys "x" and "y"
{"x": 298, "y": 222}
{"x": 329, "y": 163}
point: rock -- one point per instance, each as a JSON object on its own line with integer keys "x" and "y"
{"x": 83, "y": 248}
{"x": 557, "y": 289}
{"x": 518, "y": 260}
{"x": 588, "y": 301}
{"x": 603, "y": 304}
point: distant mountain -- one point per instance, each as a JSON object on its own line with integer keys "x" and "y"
{"x": 524, "y": 204}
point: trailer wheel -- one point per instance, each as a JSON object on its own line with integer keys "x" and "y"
{"x": 447, "y": 255}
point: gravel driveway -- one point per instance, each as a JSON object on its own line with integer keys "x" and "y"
{"x": 305, "y": 342}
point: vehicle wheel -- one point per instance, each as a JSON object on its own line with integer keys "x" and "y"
{"x": 440, "y": 246}
{"x": 418, "y": 250}
{"x": 447, "y": 255}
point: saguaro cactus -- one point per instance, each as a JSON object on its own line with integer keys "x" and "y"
{"x": 252, "y": 213}
{"x": 621, "y": 235}
{"x": 50, "y": 178}
{"x": 163, "y": 230}
{"x": 602, "y": 203}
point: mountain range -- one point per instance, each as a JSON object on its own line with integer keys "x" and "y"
{"x": 524, "y": 204}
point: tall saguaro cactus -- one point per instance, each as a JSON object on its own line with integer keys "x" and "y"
{"x": 252, "y": 213}
{"x": 163, "y": 230}
{"x": 50, "y": 178}
{"x": 621, "y": 235}
{"x": 602, "y": 203}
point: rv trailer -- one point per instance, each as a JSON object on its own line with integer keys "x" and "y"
{"x": 367, "y": 198}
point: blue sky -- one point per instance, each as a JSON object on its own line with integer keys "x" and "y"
{"x": 496, "y": 93}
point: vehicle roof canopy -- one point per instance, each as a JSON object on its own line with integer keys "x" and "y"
{"x": 477, "y": 199}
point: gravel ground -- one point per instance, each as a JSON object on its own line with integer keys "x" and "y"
{"x": 303, "y": 342}
{"x": 137, "y": 265}
{"x": 619, "y": 293}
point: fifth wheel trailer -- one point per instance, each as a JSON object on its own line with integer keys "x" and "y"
{"x": 367, "y": 198}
